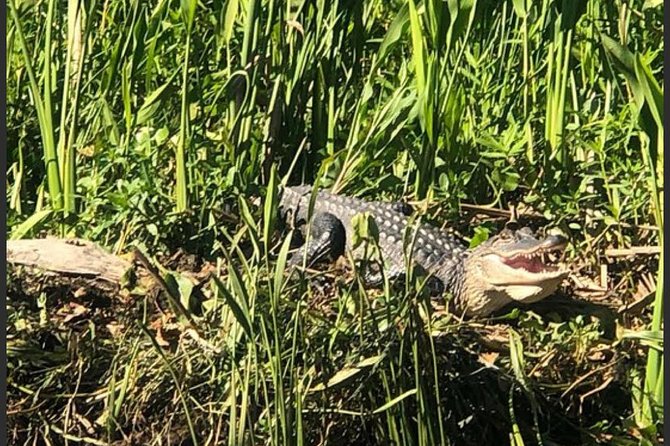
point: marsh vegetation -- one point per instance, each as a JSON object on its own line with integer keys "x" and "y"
{"x": 168, "y": 127}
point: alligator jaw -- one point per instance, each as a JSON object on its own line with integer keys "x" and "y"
{"x": 527, "y": 266}
{"x": 526, "y": 271}
{"x": 511, "y": 267}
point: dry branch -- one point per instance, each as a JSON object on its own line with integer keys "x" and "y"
{"x": 633, "y": 251}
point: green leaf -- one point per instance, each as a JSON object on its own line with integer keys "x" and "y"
{"x": 462, "y": 14}
{"x": 270, "y": 207}
{"x": 516, "y": 356}
{"x": 29, "y": 224}
{"x": 394, "y": 401}
{"x": 364, "y": 229}
{"x": 651, "y": 4}
{"x": 393, "y": 34}
{"x": 175, "y": 288}
{"x": 250, "y": 221}
{"x": 651, "y": 338}
{"x": 232, "y": 9}
{"x": 161, "y": 135}
{"x": 482, "y": 234}
{"x": 348, "y": 373}
{"x": 417, "y": 49}
{"x": 185, "y": 290}
{"x": 239, "y": 309}
{"x": 188, "y": 12}
{"x": 650, "y": 89}
{"x": 280, "y": 266}
{"x": 520, "y": 8}
{"x": 624, "y": 61}
{"x": 510, "y": 180}
{"x": 153, "y": 101}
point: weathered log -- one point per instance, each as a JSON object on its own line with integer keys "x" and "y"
{"x": 68, "y": 257}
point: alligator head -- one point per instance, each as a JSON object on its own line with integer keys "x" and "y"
{"x": 513, "y": 266}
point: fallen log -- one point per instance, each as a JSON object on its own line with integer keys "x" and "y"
{"x": 75, "y": 258}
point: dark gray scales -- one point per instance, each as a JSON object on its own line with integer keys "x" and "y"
{"x": 331, "y": 233}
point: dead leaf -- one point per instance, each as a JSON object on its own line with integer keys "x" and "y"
{"x": 488, "y": 358}
{"x": 72, "y": 311}
{"x": 115, "y": 329}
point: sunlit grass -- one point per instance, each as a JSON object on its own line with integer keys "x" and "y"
{"x": 173, "y": 125}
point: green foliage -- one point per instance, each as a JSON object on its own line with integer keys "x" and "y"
{"x": 161, "y": 124}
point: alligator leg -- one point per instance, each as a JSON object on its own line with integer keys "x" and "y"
{"x": 373, "y": 278}
{"x": 376, "y": 280}
{"x": 327, "y": 241}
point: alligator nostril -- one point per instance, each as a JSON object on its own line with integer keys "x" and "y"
{"x": 526, "y": 230}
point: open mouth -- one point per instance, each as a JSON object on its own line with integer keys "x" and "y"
{"x": 538, "y": 262}
{"x": 543, "y": 259}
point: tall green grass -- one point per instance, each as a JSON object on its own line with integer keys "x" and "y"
{"x": 647, "y": 98}
{"x": 160, "y": 125}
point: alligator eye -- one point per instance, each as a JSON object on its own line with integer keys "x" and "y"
{"x": 512, "y": 225}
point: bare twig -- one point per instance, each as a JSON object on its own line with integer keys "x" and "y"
{"x": 633, "y": 251}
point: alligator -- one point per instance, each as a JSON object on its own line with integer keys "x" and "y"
{"x": 512, "y": 266}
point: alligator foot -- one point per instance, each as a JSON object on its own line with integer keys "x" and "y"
{"x": 372, "y": 278}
